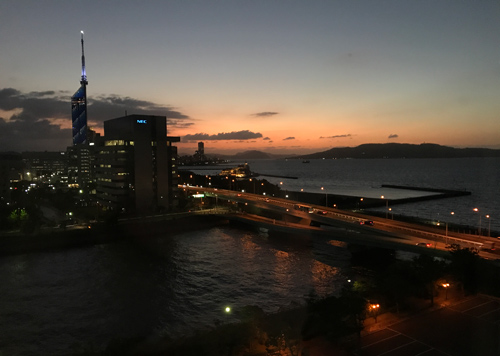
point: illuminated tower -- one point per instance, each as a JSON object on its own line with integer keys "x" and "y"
{"x": 79, "y": 108}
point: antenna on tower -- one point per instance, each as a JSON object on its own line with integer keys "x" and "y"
{"x": 84, "y": 73}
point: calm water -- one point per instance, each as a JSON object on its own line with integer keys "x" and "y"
{"x": 480, "y": 176}
{"x": 55, "y": 303}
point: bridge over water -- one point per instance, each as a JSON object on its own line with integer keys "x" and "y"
{"x": 284, "y": 215}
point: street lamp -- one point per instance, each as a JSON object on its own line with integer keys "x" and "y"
{"x": 452, "y": 213}
{"x": 374, "y": 308}
{"x": 253, "y": 185}
{"x": 446, "y": 286}
{"x": 479, "y": 229}
{"x": 286, "y": 190}
{"x": 326, "y": 196}
{"x": 386, "y": 206}
{"x": 489, "y": 224}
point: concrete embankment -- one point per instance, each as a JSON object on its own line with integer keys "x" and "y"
{"x": 134, "y": 230}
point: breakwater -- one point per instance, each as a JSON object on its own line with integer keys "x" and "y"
{"x": 448, "y": 193}
{"x": 346, "y": 201}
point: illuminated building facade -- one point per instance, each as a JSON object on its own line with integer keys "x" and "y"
{"x": 45, "y": 167}
{"x": 80, "y": 155}
{"x": 136, "y": 169}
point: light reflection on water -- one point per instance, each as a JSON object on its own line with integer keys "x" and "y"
{"x": 57, "y": 301}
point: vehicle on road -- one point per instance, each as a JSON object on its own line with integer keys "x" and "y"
{"x": 366, "y": 222}
{"x": 306, "y": 208}
{"x": 424, "y": 244}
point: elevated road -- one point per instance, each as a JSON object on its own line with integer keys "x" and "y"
{"x": 283, "y": 214}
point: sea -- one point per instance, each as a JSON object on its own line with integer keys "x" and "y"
{"x": 81, "y": 300}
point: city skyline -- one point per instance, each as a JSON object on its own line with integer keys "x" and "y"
{"x": 280, "y": 77}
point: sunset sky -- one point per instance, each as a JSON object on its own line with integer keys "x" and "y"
{"x": 280, "y": 76}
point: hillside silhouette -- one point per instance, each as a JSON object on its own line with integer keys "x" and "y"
{"x": 402, "y": 150}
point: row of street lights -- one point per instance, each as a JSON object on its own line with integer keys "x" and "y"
{"x": 489, "y": 222}
{"x": 479, "y": 230}
{"x": 387, "y": 210}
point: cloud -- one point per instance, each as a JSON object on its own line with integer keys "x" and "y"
{"x": 266, "y": 138}
{"x": 105, "y": 107}
{"x": 393, "y": 136}
{"x": 41, "y": 121}
{"x": 223, "y": 136}
{"x": 337, "y": 136}
{"x": 289, "y": 138}
{"x": 265, "y": 114}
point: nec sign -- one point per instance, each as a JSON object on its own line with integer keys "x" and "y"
{"x": 142, "y": 121}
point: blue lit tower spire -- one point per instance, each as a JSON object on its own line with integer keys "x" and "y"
{"x": 79, "y": 108}
{"x": 84, "y": 74}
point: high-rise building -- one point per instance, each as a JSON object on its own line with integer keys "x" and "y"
{"x": 136, "y": 165}
{"x": 199, "y": 155}
{"x": 80, "y": 155}
{"x": 79, "y": 107}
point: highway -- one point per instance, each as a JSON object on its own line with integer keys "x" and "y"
{"x": 320, "y": 218}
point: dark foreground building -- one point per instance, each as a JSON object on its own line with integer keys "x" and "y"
{"x": 136, "y": 165}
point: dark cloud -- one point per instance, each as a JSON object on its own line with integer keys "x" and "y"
{"x": 266, "y": 138}
{"x": 35, "y": 121}
{"x": 265, "y": 114}
{"x": 35, "y": 105}
{"x": 25, "y": 135}
{"x": 105, "y": 107}
{"x": 337, "y": 136}
{"x": 289, "y": 138}
{"x": 393, "y": 136}
{"x": 244, "y": 135}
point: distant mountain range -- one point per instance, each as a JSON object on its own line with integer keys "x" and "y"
{"x": 402, "y": 150}
{"x": 377, "y": 150}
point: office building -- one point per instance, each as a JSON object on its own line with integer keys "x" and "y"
{"x": 45, "y": 167}
{"x": 136, "y": 165}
